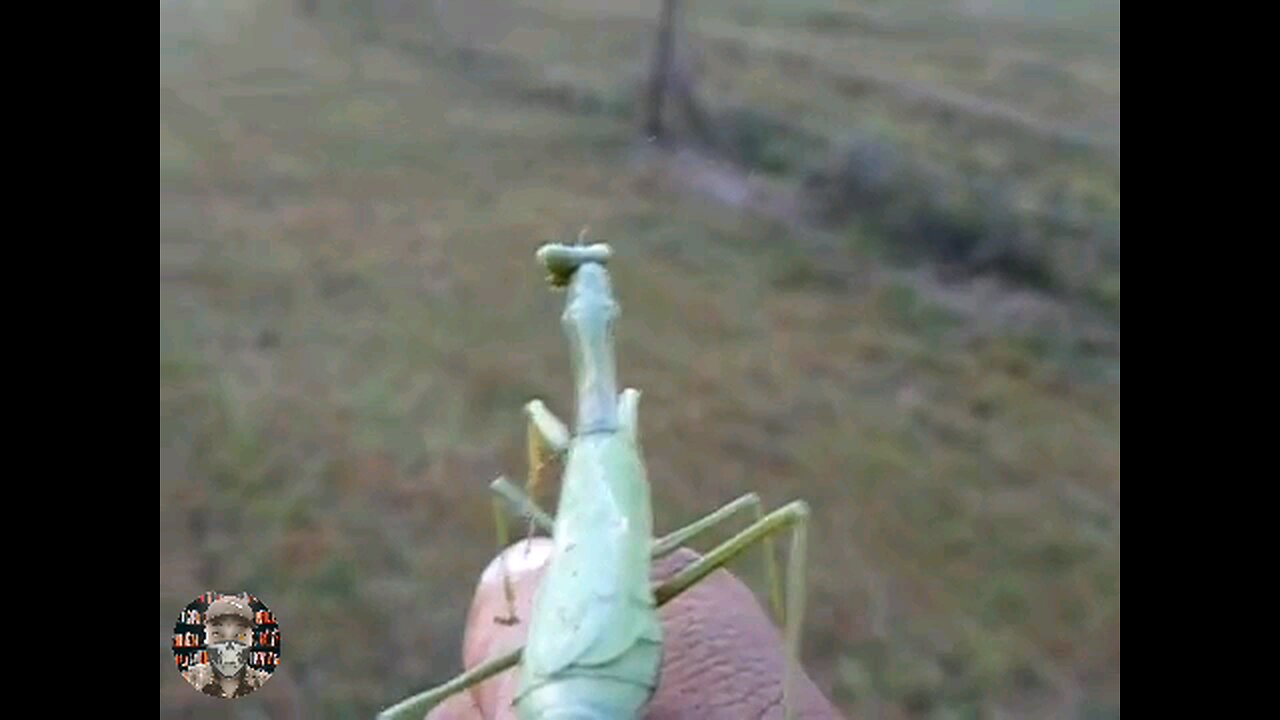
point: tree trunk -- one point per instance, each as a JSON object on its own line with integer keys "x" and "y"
{"x": 659, "y": 74}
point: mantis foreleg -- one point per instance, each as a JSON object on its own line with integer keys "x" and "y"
{"x": 547, "y": 438}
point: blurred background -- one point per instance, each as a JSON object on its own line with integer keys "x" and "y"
{"x": 868, "y": 255}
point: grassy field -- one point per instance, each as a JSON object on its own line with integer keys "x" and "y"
{"x": 351, "y": 318}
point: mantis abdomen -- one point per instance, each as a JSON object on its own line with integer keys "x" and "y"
{"x": 595, "y": 645}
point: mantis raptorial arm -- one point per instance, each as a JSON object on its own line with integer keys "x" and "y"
{"x": 793, "y": 516}
{"x": 547, "y": 438}
{"x": 552, "y": 430}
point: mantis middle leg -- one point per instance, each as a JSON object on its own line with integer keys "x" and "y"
{"x": 523, "y": 505}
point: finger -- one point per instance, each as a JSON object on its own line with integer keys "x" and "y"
{"x": 486, "y": 637}
{"x": 459, "y": 707}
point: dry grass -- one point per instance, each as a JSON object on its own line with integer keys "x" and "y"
{"x": 351, "y": 317}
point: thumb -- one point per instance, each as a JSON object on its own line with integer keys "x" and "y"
{"x": 498, "y": 621}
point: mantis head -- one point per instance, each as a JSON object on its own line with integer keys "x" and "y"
{"x": 589, "y": 315}
{"x": 562, "y": 260}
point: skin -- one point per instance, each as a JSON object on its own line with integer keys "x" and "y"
{"x": 723, "y": 657}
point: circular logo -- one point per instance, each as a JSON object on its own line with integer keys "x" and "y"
{"x": 225, "y": 645}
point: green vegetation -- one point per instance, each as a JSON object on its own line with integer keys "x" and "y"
{"x": 351, "y": 317}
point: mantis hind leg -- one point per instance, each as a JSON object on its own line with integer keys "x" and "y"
{"x": 794, "y": 516}
{"x": 417, "y": 706}
{"x": 671, "y": 542}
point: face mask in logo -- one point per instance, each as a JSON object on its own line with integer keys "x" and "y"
{"x": 228, "y": 656}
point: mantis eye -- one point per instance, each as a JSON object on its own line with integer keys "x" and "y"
{"x": 562, "y": 260}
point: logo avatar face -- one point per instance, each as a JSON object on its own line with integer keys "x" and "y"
{"x": 226, "y": 645}
{"x": 228, "y": 657}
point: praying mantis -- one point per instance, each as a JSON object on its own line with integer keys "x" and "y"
{"x": 594, "y": 644}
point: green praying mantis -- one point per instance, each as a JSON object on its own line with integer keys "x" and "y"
{"x": 594, "y": 644}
